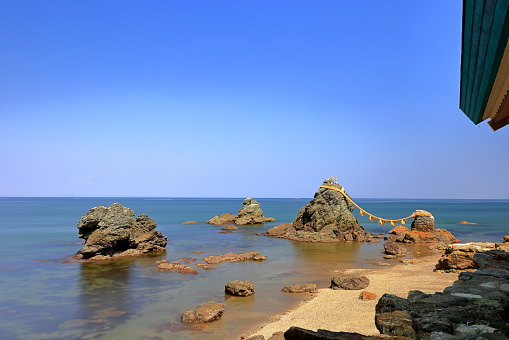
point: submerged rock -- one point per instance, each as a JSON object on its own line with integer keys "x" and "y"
{"x": 165, "y": 266}
{"x": 233, "y": 257}
{"x": 206, "y": 312}
{"x": 115, "y": 231}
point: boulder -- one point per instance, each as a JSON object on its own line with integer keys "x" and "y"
{"x": 349, "y": 283}
{"x": 393, "y": 248}
{"x": 115, "y": 231}
{"x": 239, "y": 288}
{"x": 206, "y": 312}
{"x": 300, "y": 288}
{"x": 233, "y": 257}
{"x": 399, "y": 323}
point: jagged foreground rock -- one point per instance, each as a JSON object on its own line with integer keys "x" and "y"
{"x": 115, "y": 231}
{"x": 250, "y": 213}
{"x": 474, "y": 307}
{"x": 327, "y": 218}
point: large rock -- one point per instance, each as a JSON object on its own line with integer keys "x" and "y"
{"x": 239, "y": 288}
{"x": 206, "y": 312}
{"x": 330, "y": 213}
{"x": 116, "y": 231}
{"x": 227, "y": 218}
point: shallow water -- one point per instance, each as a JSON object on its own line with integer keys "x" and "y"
{"x": 45, "y": 296}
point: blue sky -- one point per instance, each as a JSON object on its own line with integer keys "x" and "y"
{"x": 239, "y": 98}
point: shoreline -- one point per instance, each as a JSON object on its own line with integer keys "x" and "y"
{"x": 342, "y": 310}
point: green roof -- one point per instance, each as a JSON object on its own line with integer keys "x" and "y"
{"x": 485, "y": 34}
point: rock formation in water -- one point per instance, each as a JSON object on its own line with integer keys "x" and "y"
{"x": 422, "y": 231}
{"x": 250, "y": 213}
{"x": 327, "y": 218}
{"x": 239, "y": 288}
{"x": 115, "y": 231}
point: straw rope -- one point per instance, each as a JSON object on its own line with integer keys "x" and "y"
{"x": 372, "y": 217}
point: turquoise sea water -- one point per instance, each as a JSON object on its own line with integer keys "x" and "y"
{"x": 43, "y": 295}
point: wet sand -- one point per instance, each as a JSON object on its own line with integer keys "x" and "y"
{"x": 342, "y": 310}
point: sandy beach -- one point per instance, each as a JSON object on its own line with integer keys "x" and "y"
{"x": 342, "y": 310}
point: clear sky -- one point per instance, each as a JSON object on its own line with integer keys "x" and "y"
{"x": 239, "y": 98}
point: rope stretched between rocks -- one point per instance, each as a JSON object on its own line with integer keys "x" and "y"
{"x": 372, "y": 217}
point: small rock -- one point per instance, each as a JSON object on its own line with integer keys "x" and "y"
{"x": 239, "y": 288}
{"x": 190, "y": 222}
{"x": 392, "y": 248}
{"x": 364, "y": 295}
{"x": 206, "y": 312}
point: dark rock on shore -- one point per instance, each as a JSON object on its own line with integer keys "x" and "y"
{"x": 206, "y": 312}
{"x": 115, "y": 231}
{"x": 475, "y": 306}
{"x": 250, "y": 213}
{"x": 239, "y": 288}
{"x": 232, "y": 257}
{"x": 349, "y": 283}
{"x": 300, "y": 288}
{"x": 297, "y": 333}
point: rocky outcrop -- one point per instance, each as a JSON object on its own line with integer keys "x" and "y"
{"x": 300, "y": 288}
{"x": 250, "y": 213}
{"x": 422, "y": 231}
{"x": 233, "y": 257}
{"x": 229, "y": 227}
{"x": 115, "y": 231}
{"x": 326, "y": 218}
{"x": 349, "y": 283}
{"x": 206, "y": 312}
{"x": 461, "y": 256}
{"x": 475, "y": 305}
{"x": 239, "y": 288}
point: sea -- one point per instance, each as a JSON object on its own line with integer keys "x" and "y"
{"x": 45, "y": 295}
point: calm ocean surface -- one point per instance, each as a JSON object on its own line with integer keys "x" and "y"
{"x": 44, "y": 296}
